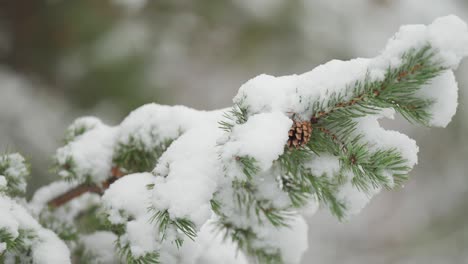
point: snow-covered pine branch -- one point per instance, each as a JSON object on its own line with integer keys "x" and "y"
{"x": 177, "y": 185}
{"x": 22, "y": 238}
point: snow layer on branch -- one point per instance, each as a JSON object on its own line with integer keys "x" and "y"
{"x": 3, "y": 183}
{"x": 291, "y": 241}
{"x": 262, "y": 137}
{"x": 355, "y": 200}
{"x": 444, "y": 91}
{"x": 271, "y": 101}
{"x": 209, "y": 247}
{"x": 46, "y": 246}
{"x": 187, "y": 175}
{"x": 294, "y": 94}
{"x": 3, "y": 246}
{"x": 13, "y": 172}
{"x": 325, "y": 164}
{"x": 129, "y": 198}
{"x": 128, "y": 195}
{"x": 379, "y": 138}
{"x": 266, "y": 93}
{"x": 89, "y": 154}
{"x": 152, "y": 124}
{"x": 449, "y": 35}
{"x": 49, "y": 248}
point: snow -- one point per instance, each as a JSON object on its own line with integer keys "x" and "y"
{"x": 379, "y": 138}
{"x": 8, "y": 221}
{"x": 141, "y": 241}
{"x": 49, "y": 249}
{"x": 14, "y": 167}
{"x": 90, "y": 153}
{"x": 46, "y": 246}
{"x": 272, "y": 101}
{"x": 128, "y": 198}
{"x": 3, "y": 182}
{"x": 292, "y": 241}
{"x": 262, "y": 137}
{"x": 210, "y": 248}
{"x": 152, "y": 124}
{"x": 325, "y": 164}
{"x": 100, "y": 245}
{"x": 203, "y": 159}
{"x": 3, "y": 246}
{"x": 354, "y": 199}
{"x": 187, "y": 175}
{"x": 128, "y": 195}
{"x": 266, "y": 93}
{"x": 443, "y": 89}
{"x": 83, "y": 124}
{"x": 449, "y": 35}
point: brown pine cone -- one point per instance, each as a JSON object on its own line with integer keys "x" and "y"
{"x": 299, "y": 134}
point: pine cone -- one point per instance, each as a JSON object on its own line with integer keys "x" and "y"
{"x": 299, "y": 134}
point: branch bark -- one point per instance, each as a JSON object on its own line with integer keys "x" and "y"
{"x": 81, "y": 189}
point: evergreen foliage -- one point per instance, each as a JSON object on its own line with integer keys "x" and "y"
{"x": 254, "y": 194}
{"x": 334, "y": 132}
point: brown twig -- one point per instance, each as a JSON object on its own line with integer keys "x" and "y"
{"x": 81, "y": 189}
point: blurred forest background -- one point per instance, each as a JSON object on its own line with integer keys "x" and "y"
{"x": 63, "y": 59}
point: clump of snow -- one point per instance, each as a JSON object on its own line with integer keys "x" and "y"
{"x": 100, "y": 246}
{"x": 140, "y": 234}
{"x": 152, "y": 124}
{"x": 266, "y": 93}
{"x": 81, "y": 126}
{"x": 379, "y": 138}
{"x": 89, "y": 155}
{"x": 291, "y": 241}
{"x": 46, "y": 246}
{"x": 210, "y": 247}
{"x": 129, "y": 198}
{"x": 128, "y": 195}
{"x": 443, "y": 90}
{"x": 14, "y": 172}
{"x": 8, "y": 221}
{"x": 3, "y": 182}
{"x": 262, "y": 137}
{"x": 311, "y": 207}
{"x": 324, "y": 165}
{"x": 354, "y": 199}
{"x": 49, "y": 248}
{"x": 3, "y": 246}
{"x": 187, "y": 175}
{"x": 449, "y": 35}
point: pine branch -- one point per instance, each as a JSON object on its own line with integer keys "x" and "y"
{"x": 86, "y": 188}
{"x": 125, "y": 254}
{"x": 397, "y": 90}
{"x": 243, "y": 238}
{"x": 264, "y": 186}
{"x": 164, "y": 221}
